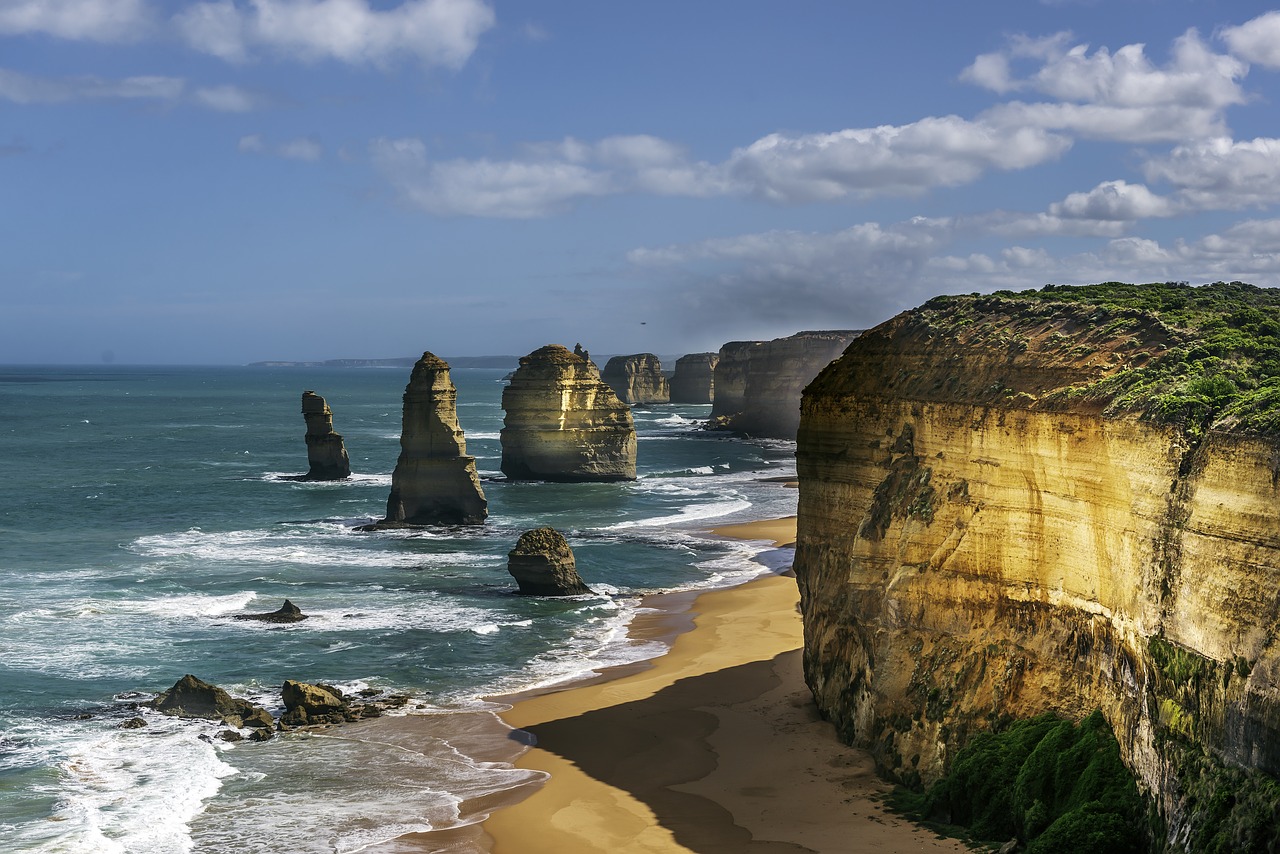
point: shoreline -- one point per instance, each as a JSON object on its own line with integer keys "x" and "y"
{"x": 715, "y": 745}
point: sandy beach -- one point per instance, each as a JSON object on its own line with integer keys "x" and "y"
{"x": 715, "y": 747}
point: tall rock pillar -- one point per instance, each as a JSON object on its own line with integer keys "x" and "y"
{"x": 435, "y": 482}
{"x": 326, "y": 454}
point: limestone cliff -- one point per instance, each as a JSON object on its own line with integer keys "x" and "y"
{"x": 759, "y": 383}
{"x": 326, "y": 454}
{"x": 637, "y": 379}
{"x": 563, "y": 423}
{"x": 694, "y": 379}
{"x": 434, "y": 482}
{"x": 1011, "y": 505}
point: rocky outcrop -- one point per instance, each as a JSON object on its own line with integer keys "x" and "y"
{"x": 191, "y": 697}
{"x": 763, "y": 381}
{"x": 543, "y": 565}
{"x": 286, "y": 613}
{"x": 326, "y": 453}
{"x": 638, "y": 379}
{"x": 306, "y": 704}
{"x": 434, "y": 482}
{"x": 694, "y": 379}
{"x": 563, "y": 423}
{"x": 991, "y": 527}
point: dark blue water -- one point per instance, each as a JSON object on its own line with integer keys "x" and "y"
{"x": 141, "y": 507}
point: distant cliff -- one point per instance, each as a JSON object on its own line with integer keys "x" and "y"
{"x": 758, "y": 383}
{"x": 637, "y": 379}
{"x": 1062, "y": 501}
{"x": 694, "y": 378}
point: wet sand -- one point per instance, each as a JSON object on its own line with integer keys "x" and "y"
{"x": 715, "y": 747}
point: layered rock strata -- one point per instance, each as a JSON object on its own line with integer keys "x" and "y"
{"x": 981, "y": 537}
{"x": 543, "y": 565}
{"x": 326, "y": 454}
{"x": 758, "y": 383}
{"x": 694, "y": 379}
{"x": 434, "y": 482}
{"x": 563, "y": 423}
{"x": 637, "y": 379}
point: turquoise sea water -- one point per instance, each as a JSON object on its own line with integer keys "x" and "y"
{"x": 141, "y": 507}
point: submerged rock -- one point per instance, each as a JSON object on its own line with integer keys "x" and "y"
{"x": 637, "y": 379}
{"x": 325, "y": 451}
{"x": 286, "y": 613}
{"x": 563, "y": 423}
{"x": 191, "y": 697}
{"x": 543, "y": 565}
{"x": 694, "y": 379}
{"x": 435, "y": 482}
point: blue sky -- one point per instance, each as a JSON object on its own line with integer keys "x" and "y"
{"x": 239, "y": 180}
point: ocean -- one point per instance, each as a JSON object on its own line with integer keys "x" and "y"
{"x": 142, "y": 507}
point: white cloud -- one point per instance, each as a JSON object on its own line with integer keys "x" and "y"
{"x": 1256, "y": 41}
{"x": 436, "y": 32}
{"x": 302, "y": 148}
{"x": 1222, "y": 173}
{"x": 945, "y": 151}
{"x": 1112, "y": 201}
{"x": 25, "y": 89}
{"x": 228, "y": 99}
{"x": 77, "y": 20}
{"x": 1116, "y": 96}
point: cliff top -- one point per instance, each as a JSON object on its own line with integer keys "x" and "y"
{"x": 1203, "y": 357}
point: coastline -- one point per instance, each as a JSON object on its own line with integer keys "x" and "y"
{"x": 714, "y": 746}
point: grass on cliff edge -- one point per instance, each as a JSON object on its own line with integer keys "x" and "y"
{"x": 1223, "y": 370}
{"x": 1055, "y": 786}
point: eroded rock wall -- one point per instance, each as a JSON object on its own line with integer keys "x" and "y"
{"x": 694, "y": 379}
{"x": 976, "y": 541}
{"x": 730, "y": 377}
{"x": 637, "y": 379}
{"x": 435, "y": 481}
{"x": 563, "y": 423}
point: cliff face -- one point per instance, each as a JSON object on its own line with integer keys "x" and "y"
{"x": 758, "y": 383}
{"x": 326, "y": 454}
{"x": 434, "y": 481}
{"x": 637, "y": 379}
{"x": 563, "y": 423}
{"x": 694, "y": 379}
{"x": 979, "y": 539}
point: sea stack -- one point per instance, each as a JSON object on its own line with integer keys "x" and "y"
{"x": 326, "y": 454}
{"x": 543, "y": 565}
{"x": 694, "y": 380}
{"x": 730, "y": 378}
{"x": 563, "y": 423}
{"x": 434, "y": 482}
{"x": 637, "y": 379}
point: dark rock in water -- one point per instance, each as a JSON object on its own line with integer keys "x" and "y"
{"x": 134, "y": 723}
{"x": 637, "y": 379}
{"x": 543, "y": 565}
{"x": 563, "y": 423}
{"x": 230, "y": 735}
{"x": 194, "y": 698}
{"x": 287, "y": 613}
{"x": 325, "y": 451}
{"x": 307, "y": 704}
{"x": 262, "y": 735}
{"x": 434, "y": 482}
{"x": 694, "y": 380}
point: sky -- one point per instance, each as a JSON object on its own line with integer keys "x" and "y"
{"x": 228, "y": 181}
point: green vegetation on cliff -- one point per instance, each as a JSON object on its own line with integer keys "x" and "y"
{"x": 1218, "y": 364}
{"x": 1056, "y": 786}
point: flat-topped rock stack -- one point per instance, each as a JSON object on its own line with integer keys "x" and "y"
{"x": 563, "y": 423}
{"x": 730, "y": 377}
{"x": 435, "y": 482}
{"x": 326, "y": 454}
{"x": 637, "y": 379}
{"x": 694, "y": 379}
